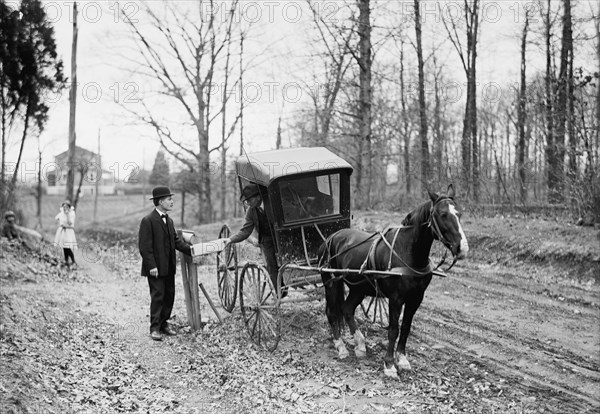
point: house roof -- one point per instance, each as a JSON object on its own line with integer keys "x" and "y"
{"x": 80, "y": 152}
{"x": 266, "y": 166}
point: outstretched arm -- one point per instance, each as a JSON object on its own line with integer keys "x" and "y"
{"x": 246, "y": 229}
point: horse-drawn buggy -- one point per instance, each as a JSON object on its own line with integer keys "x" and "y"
{"x": 306, "y": 197}
{"x": 305, "y": 193}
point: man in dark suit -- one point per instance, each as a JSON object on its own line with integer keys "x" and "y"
{"x": 157, "y": 243}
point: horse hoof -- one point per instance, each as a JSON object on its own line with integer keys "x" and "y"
{"x": 403, "y": 363}
{"x": 360, "y": 353}
{"x": 341, "y": 348}
{"x": 390, "y": 372}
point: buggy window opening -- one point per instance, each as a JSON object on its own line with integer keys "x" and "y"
{"x": 309, "y": 197}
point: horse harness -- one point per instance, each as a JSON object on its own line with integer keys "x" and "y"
{"x": 406, "y": 270}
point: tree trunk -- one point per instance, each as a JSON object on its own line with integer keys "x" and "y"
{"x": 10, "y": 199}
{"x": 3, "y": 186}
{"x": 597, "y": 122}
{"x": 422, "y": 104}
{"x": 405, "y": 129}
{"x": 223, "y": 169}
{"x": 365, "y": 100}
{"x": 466, "y": 149}
{"x": 474, "y": 32}
{"x": 573, "y": 170}
{"x": 438, "y": 146}
{"x": 551, "y": 156}
{"x": 562, "y": 100}
{"x": 82, "y": 172}
{"x": 521, "y": 143}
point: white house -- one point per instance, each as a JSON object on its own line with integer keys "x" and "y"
{"x": 88, "y": 170}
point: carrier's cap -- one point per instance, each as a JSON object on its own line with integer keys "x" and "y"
{"x": 249, "y": 191}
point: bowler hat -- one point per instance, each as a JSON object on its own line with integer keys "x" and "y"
{"x": 160, "y": 192}
{"x": 67, "y": 202}
{"x": 249, "y": 191}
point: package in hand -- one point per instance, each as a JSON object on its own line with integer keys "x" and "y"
{"x": 214, "y": 246}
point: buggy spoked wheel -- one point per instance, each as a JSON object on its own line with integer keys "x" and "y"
{"x": 376, "y": 309}
{"x": 259, "y": 303}
{"x": 227, "y": 272}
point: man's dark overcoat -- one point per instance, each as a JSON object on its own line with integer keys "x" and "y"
{"x": 157, "y": 244}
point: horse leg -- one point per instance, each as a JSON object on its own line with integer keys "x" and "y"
{"x": 349, "y": 309}
{"x": 409, "y": 312}
{"x": 334, "y": 295}
{"x": 389, "y": 369}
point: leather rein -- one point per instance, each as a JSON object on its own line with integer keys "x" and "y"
{"x": 379, "y": 236}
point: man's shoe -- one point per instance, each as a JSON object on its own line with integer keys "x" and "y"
{"x": 155, "y": 335}
{"x": 169, "y": 331}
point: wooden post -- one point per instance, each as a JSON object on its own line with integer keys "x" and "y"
{"x": 193, "y": 280}
{"x": 189, "y": 276}
{"x": 186, "y": 290}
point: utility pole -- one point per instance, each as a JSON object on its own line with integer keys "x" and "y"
{"x": 98, "y": 179}
{"x": 235, "y": 187}
{"x": 144, "y": 177}
{"x": 73, "y": 104}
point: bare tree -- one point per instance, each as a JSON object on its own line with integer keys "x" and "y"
{"x": 468, "y": 58}
{"x": 521, "y": 114}
{"x": 551, "y": 155}
{"x": 439, "y": 135}
{"x": 365, "y": 103}
{"x": 422, "y": 104}
{"x": 182, "y": 50}
{"x": 564, "y": 94}
{"x": 336, "y": 39}
{"x": 406, "y": 130}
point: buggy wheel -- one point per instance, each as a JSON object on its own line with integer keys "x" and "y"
{"x": 377, "y": 311}
{"x": 259, "y": 303}
{"x": 227, "y": 272}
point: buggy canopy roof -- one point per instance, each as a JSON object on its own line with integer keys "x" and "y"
{"x": 264, "y": 167}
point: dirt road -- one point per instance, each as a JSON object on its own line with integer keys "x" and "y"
{"x": 495, "y": 336}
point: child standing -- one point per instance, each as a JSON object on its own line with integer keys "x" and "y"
{"x": 65, "y": 233}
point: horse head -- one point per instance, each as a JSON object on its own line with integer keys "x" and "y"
{"x": 445, "y": 223}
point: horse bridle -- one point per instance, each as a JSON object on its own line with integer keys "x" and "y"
{"x": 437, "y": 233}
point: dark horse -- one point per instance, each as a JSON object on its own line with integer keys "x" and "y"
{"x": 404, "y": 250}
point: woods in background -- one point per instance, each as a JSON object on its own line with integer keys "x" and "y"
{"x": 522, "y": 141}
{"x": 394, "y": 87}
